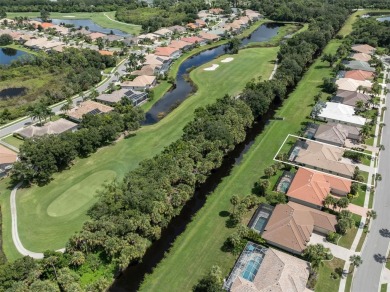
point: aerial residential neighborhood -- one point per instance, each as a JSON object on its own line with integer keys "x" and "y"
{"x": 194, "y": 145}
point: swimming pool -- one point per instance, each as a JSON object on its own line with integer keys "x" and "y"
{"x": 260, "y": 224}
{"x": 251, "y": 268}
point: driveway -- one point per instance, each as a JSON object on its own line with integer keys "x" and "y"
{"x": 337, "y": 251}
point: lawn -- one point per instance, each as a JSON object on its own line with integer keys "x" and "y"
{"x": 87, "y": 175}
{"x": 384, "y": 287}
{"x": 347, "y": 239}
{"x": 349, "y": 280}
{"x": 361, "y": 240}
{"x": 13, "y": 141}
{"x": 325, "y": 283}
{"x": 100, "y": 18}
{"x": 199, "y": 246}
{"x": 361, "y": 196}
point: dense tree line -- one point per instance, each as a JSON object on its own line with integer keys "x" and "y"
{"x": 41, "y": 157}
{"x": 372, "y": 32}
{"x": 131, "y": 213}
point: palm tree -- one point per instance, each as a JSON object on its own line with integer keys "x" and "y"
{"x": 116, "y": 74}
{"x": 355, "y": 261}
{"x": 371, "y": 214}
{"x": 234, "y": 200}
{"x": 67, "y": 106}
{"x": 40, "y": 111}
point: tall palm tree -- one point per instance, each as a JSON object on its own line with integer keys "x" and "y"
{"x": 356, "y": 261}
{"x": 67, "y": 106}
{"x": 371, "y": 214}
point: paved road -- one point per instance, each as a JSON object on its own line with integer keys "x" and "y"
{"x": 367, "y": 277}
{"x": 56, "y": 109}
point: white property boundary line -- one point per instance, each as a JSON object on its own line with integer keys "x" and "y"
{"x": 373, "y": 155}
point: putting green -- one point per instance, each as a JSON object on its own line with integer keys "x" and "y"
{"x": 79, "y": 195}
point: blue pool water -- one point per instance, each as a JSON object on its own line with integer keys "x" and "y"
{"x": 260, "y": 224}
{"x": 251, "y": 268}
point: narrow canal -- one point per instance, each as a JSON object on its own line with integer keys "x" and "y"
{"x": 133, "y": 276}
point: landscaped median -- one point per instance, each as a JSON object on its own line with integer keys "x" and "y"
{"x": 87, "y": 175}
{"x": 200, "y": 246}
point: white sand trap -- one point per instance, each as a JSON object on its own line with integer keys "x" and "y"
{"x": 212, "y": 68}
{"x": 69, "y": 16}
{"x": 227, "y": 60}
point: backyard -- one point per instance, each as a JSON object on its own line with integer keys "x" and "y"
{"x": 62, "y": 204}
{"x": 181, "y": 269}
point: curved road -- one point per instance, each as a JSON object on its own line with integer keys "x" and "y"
{"x": 14, "y": 126}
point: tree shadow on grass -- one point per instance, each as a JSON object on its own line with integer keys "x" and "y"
{"x": 224, "y": 214}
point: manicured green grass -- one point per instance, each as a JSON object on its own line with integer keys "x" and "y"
{"x": 347, "y": 239}
{"x": 13, "y": 141}
{"x": 100, "y": 18}
{"x": 199, "y": 246}
{"x": 361, "y": 196}
{"x": 384, "y": 287}
{"x": 159, "y": 92}
{"x": 349, "y": 280}
{"x": 361, "y": 240}
{"x": 24, "y": 49}
{"x": 347, "y": 28}
{"x": 83, "y": 178}
{"x": 325, "y": 283}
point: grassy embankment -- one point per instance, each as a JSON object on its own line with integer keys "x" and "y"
{"x": 100, "y": 18}
{"x": 199, "y": 247}
{"x": 326, "y": 283}
{"x": 59, "y": 208}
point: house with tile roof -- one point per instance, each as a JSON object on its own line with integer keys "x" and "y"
{"x": 363, "y": 48}
{"x": 194, "y": 40}
{"x": 167, "y": 52}
{"x": 149, "y": 70}
{"x": 88, "y": 107}
{"x": 359, "y": 65}
{"x": 216, "y": 11}
{"x": 291, "y": 226}
{"x": 341, "y": 113}
{"x": 350, "y": 97}
{"x": 310, "y": 188}
{"x": 163, "y": 32}
{"x": 180, "y": 45}
{"x": 336, "y": 134}
{"x": 177, "y": 29}
{"x": 209, "y": 36}
{"x": 49, "y": 128}
{"x": 352, "y": 84}
{"x": 142, "y": 82}
{"x": 321, "y": 157}
{"x": 359, "y": 75}
{"x": 361, "y": 57}
{"x": 95, "y": 35}
{"x": 277, "y": 272}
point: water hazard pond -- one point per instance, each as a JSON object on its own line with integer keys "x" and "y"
{"x": 7, "y": 55}
{"x": 134, "y": 274}
{"x": 183, "y": 88}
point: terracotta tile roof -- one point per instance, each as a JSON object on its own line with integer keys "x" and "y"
{"x": 140, "y": 81}
{"x": 46, "y": 25}
{"x": 148, "y": 70}
{"x": 359, "y": 75}
{"x": 192, "y": 25}
{"x": 179, "y": 44}
{"x": 313, "y": 187}
{"x": 216, "y": 10}
{"x": 208, "y": 36}
{"x": 291, "y": 225}
{"x": 106, "y": 53}
{"x": 163, "y": 32}
{"x": 88, "y": 107}
{"x": 200, "y": 22}
{"x": 177, "y": 28}
{"x": 324, "y": 157}
{"x": 367, "y": 49}
{"x": 7, "y": 156}
{"x": 361, "y": 57}
{"x": 165, "y": 51}
{"x": 192, "y": 40}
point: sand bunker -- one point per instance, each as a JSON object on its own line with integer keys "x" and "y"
{"x": 212, "y": 68}
{"x": 69, "y": 16}
{"x": 227, "y": 60}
